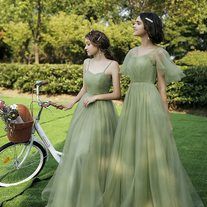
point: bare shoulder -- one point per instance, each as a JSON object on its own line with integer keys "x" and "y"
{"x": 86, "y": 61}
{"x": 114, "y": 67}
{"x": 114, "y": 63}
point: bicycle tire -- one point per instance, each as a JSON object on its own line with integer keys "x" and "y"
{"x": 12, "y": 154}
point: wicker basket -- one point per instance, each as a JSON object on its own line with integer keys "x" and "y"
{"x": 21, "y": 132}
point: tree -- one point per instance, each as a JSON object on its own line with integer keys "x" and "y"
{"x": 132, "y": 8}
{"x": 25, "y": 12}
{"x": 32, "y": 13}
{"x": 65, "y": 36}
{"x": 186, "y": 25}
{"x": 18, "y": 37}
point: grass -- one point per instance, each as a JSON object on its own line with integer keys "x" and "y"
{"x": 190, "y": 136}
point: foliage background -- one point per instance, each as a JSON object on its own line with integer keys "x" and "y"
{"x": 52, "y": 31}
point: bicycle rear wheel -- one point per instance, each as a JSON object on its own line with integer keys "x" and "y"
{"x": 20, "y": 162}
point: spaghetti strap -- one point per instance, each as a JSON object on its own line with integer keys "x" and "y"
{"x": 88, "y": 69}
{"x": 107, "y": 66}
{"x": 88, "y": 64}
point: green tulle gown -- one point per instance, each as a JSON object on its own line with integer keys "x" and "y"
{"x": 145, "y": 169}
{"x": 81, "y": 176}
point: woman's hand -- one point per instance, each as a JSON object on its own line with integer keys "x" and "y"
{"x": 56, "y": 105}
{"x": 89, "y": 100}
{"x": 69, "y": 106}
{"x": 2, "y": 104}
{"x": 59, "y": 106}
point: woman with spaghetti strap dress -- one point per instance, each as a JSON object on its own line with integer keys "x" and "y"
{"x": 81, "y": 176}
{"x": 145, "y": 168}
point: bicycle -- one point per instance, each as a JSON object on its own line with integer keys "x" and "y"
{"x": 22, "y": 161}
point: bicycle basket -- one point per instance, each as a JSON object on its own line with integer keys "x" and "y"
{"x": 21, "y": 132}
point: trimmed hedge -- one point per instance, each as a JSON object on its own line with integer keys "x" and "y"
{"x": 67, "y": 78}
{"x": 62, "y": 78}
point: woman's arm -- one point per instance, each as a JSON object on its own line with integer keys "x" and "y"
{"x": 114, "y": 71}
{"x": 76, "y": 98}
{"x": 161, "y": 85}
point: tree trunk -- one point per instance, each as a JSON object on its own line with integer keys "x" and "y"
{"x": 36, "y": 53}
{"x": 37, "y": 36}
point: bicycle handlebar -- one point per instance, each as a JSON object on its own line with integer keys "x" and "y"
{"x": 44, "y": 104}
{"x": 50, "y": 103}
{"x": 8, "y": 111}
{"x": 40, "y": 83}
{"x": 2, "y": 104}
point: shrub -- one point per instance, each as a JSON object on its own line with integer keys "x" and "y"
{"x": 61, "y": 78}
{"x": 191, "y": 91}
{"x": 194, "y": 58}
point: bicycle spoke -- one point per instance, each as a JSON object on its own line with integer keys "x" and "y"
{"x": 20, "y": 162}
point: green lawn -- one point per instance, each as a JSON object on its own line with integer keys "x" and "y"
{"x": 190, "y": 134}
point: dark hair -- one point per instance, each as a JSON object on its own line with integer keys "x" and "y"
{"x": 153, "y": 26}
{"x": 100, "y": 40}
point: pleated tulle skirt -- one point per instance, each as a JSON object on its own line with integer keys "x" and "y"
{"x": 145, "y": 169}
{"x": 81, "y": 176}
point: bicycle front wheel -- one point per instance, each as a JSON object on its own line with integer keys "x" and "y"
{"x": 20, "y": 162}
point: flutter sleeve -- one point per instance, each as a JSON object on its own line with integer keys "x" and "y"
{"x": 170, "y": 70}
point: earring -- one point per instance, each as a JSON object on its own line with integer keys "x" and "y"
{"x": 99, "y": 53}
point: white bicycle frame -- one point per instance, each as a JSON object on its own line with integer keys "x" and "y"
{"x": 46, "y": 141}
{"x": 41, "y": 139}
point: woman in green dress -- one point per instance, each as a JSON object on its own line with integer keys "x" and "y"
{"x": 81, "y": 176}
{"x": 145, "y": 168}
